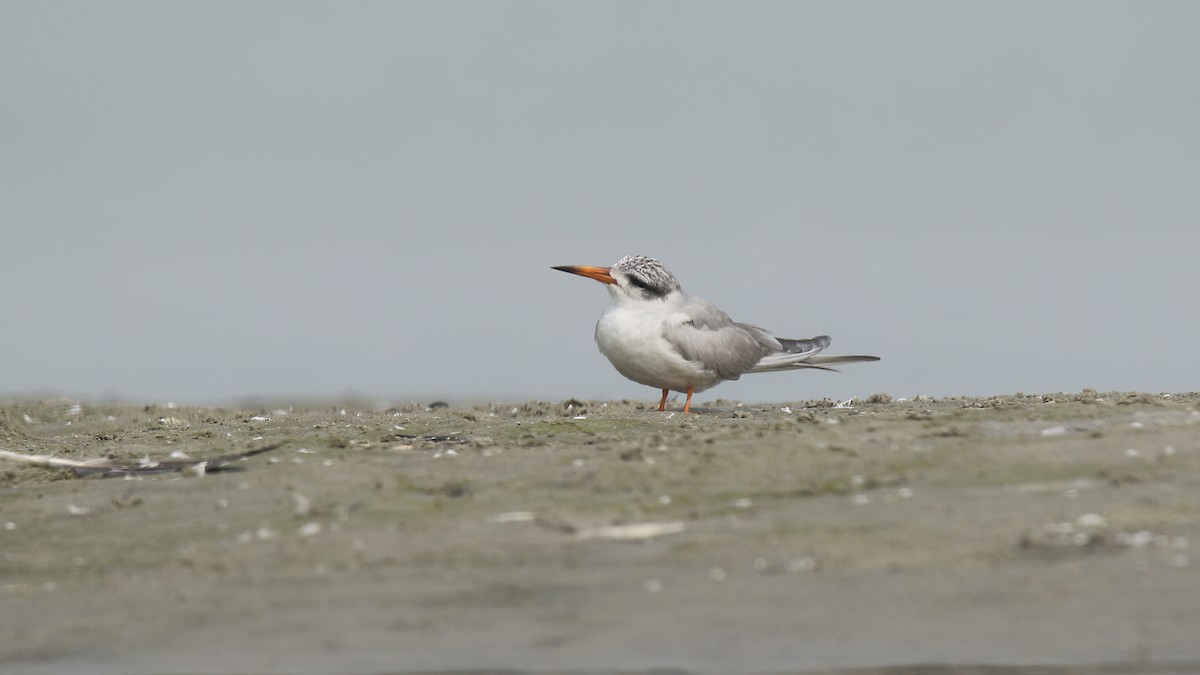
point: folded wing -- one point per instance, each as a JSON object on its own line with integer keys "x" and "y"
{"x": 703, "y": 334}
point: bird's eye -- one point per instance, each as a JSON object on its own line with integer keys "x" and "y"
{"x": 639, "y": 283}
{"x": 650, "y": 289}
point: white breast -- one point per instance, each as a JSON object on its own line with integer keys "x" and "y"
{"x": 631, "y": 336}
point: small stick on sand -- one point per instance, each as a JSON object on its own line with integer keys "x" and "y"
{"x": 107, "y": 467}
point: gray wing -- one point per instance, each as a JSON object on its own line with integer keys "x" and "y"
{"x": 704, "y": 334}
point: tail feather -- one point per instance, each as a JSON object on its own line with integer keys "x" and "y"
{"x": 857, "y": 358}
{"x": 777, "y": 362}
{"x": 798, "y": 354}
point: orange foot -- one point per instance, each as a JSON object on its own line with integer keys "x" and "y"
{"x": 687, "y": 404}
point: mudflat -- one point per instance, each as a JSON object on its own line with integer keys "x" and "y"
{"x": 1050, "y": 533}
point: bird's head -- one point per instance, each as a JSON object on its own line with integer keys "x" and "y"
{"x": 632, "y": 278}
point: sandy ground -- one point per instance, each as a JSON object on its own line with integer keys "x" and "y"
{"x": 1014, "y": 534}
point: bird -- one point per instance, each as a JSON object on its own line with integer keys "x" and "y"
{"x": 657, "y": 335}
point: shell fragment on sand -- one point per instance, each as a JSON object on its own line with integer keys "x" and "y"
{"x": 632, "y": 532}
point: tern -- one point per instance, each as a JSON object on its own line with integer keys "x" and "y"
{"x": 659, "y": 336}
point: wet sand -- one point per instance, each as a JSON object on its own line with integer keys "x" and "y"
{"x": 1016, "y": 534}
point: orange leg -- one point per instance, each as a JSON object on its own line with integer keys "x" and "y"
{"x": 688, "y": 403}
{"x": 662, "y": 405}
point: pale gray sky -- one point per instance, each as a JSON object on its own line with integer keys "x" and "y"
{"x": 201, "y": 201}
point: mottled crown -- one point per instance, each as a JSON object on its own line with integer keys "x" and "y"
{"x": 647, "y": 274}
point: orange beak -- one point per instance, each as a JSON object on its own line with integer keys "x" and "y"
{"x": 598, "y": 273}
